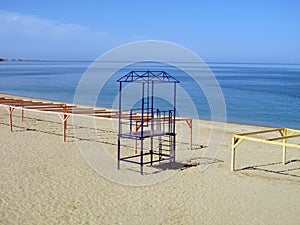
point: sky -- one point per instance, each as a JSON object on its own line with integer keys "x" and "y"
{"x": 218, "y": 31}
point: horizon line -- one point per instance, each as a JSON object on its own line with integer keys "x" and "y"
{"x": 88, "y": 60}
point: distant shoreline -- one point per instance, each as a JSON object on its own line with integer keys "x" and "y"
{"x": 15, "y": 60}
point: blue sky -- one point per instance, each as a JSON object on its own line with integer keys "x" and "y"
{"x": 230, "y": 31}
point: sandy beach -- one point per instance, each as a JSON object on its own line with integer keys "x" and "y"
{"x": 46, "y": 181}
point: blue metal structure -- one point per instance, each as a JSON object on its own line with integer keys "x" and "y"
{"x": 147, "y": 123}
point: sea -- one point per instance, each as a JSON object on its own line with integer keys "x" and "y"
{"x": 266, "y": 94}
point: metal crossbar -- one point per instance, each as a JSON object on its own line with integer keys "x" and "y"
{"x": 285, "y": 135}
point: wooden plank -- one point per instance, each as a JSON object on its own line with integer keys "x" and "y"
{"x": 284, "y": 137}
{"x": 260, "y": 132}
{"x": 292, "y": 145}
{"x": 4, "y": 99}
{"x": 47, "y": 105}
{"x": 10, "y": 102}
{"x": 293, "y": 130}
{"x": 36, "y": 104}
{"x": 233, "y": 141}
{"x": 257, "y": 139}
{"x": 64, "y": 111}
{"x": 284, "y": 147}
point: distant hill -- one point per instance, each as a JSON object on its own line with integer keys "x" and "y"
{"x": 11, "y": 59}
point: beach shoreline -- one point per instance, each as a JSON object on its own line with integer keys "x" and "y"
{"x": 99, "y": 107}
{"x": 44, "y": 180}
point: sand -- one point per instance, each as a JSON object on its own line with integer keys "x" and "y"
{"x": 46, "y": 181}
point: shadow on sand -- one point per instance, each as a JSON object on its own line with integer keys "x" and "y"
{"x": 269, "y": 169}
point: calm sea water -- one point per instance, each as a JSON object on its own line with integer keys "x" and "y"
{"x": 259, "y": 94}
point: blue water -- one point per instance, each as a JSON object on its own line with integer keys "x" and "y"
{"x": 259, "y": 94}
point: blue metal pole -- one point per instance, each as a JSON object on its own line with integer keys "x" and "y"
{"x": 152, "y": 121}
{"x": 142, "y": 126}
{"x": 120, "y": 126}
{"x": 174, "y": 124}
